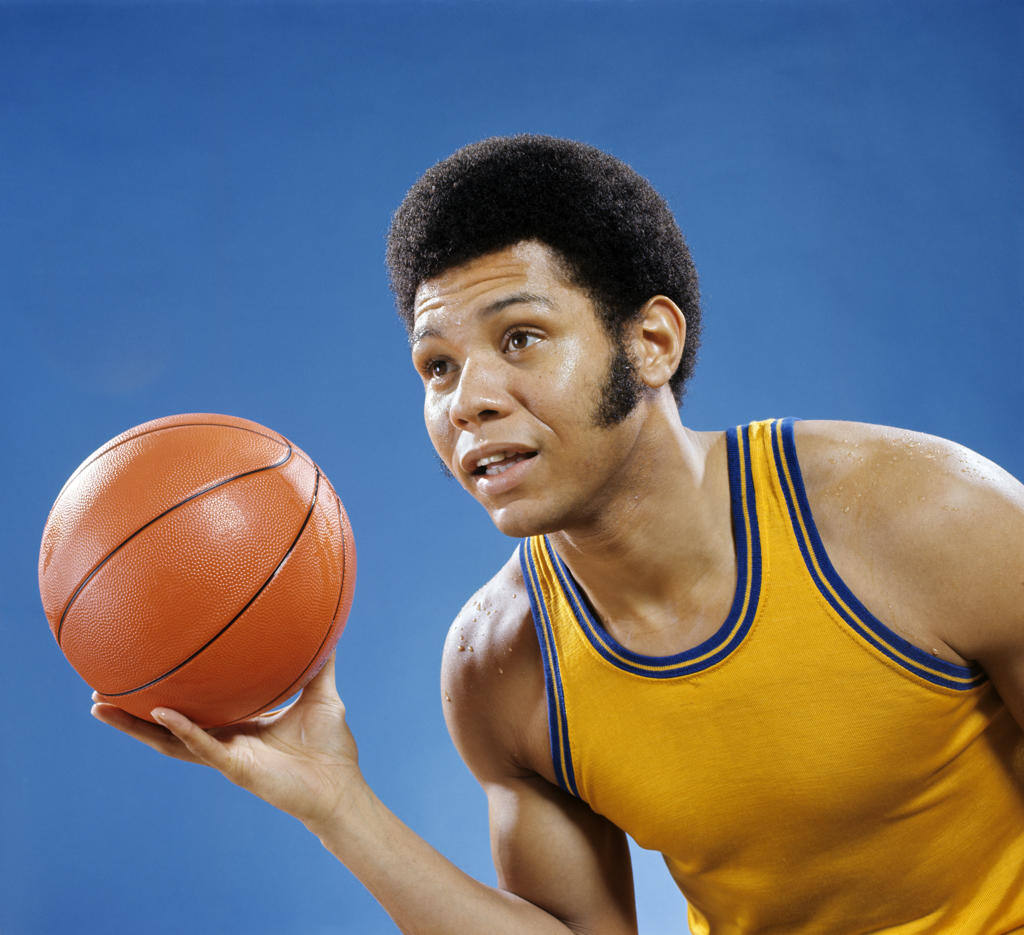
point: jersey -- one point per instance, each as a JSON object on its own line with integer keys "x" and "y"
{"x": 805, "y": 769}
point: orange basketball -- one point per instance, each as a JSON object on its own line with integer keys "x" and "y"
{"x": 199, "y": 562}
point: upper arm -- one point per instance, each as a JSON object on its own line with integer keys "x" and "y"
{"x": 987, "y": 542}
{"x": 548, "y": 847}
{"x": 551, "y": 849}
{"x": 941, "y": 525}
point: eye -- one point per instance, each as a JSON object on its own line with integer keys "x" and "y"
{"x": 437, "y": 368}
{"x": 520, "y": 340}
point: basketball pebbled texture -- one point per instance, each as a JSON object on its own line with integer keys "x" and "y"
{"x": 199, "y": 562}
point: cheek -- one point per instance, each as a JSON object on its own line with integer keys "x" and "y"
{"x": 439, "y": 427}
{"x": 569, "y": 388}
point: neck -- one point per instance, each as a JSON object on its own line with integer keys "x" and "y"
{"x": 657, "y": 561}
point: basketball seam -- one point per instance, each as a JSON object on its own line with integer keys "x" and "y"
{"x": 117, "y": 548}
{"x": 280, "y": 696}
{"x": 233, "y": 620}
{"x": 302, "y": 456}
{"x": 281, "y": 440}
{"x": 344, "y": 551}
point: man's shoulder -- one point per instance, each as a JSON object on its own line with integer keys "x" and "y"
{"x": 897, "y": 471}
{"x": 493, "y": 623}
{"x": 492, "y": 680}
{"x": 940, "y": 522}
{"x": 860, "y": 442}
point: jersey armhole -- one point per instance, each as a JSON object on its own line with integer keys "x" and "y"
{"x": 836, "y": 592}
{"x": 558, "y": 725}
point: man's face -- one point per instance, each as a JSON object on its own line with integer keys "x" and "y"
{"x": 518, "y": 401}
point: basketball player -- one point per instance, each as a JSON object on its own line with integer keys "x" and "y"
{"x": 789, "y": 656}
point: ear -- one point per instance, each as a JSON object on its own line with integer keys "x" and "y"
{"x": 659, "y": 334}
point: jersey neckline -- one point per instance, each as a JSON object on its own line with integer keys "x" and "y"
{"x": 730, "y": 634}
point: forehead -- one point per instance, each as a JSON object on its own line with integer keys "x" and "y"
{"x": 524, "y": 267}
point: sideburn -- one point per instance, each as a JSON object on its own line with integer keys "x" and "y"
{"x": 621, "y": 391}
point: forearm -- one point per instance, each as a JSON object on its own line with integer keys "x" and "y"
{"x": 422, "y": 890}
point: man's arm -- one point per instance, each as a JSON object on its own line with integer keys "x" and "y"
{"x": 930, "y": 535}
{"x": 979, "y": 571}
{"x": 303, "y": 760}
{"x": 547, "y": 845}
{"x": 543, "y": 894}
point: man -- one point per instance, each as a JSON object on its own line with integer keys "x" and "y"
{"x": 790, "y": 656}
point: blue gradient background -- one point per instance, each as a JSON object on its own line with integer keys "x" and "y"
{"x": 193, "y": 204}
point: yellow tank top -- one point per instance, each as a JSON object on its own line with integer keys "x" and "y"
{"x": 805, "y": 769}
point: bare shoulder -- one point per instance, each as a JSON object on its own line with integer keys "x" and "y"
{"x": 900, "y": 454}
{"x": 942, "y": 525}
{"x": 492, "y": 680}
{"x": 548, "y": 847}
{"x": 908, "y": 480}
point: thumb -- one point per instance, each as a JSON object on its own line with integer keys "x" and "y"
{"x": 322, "y": 686}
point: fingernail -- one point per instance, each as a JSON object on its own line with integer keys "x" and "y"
{"x": 158, "y": 714}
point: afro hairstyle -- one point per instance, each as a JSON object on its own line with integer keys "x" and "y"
{"x": 614, "y": 234}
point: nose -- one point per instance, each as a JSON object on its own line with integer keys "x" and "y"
{"x": 478, "y": 398}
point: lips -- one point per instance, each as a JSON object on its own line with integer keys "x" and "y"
{"x": 496, "y": 464}
{"x": 493, "y": 459}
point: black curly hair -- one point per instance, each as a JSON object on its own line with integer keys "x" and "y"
{"x": 613, "y": 232}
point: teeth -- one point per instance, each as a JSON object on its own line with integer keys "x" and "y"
{"x": 502, "y": 461}
{"x": 498, "y": 468}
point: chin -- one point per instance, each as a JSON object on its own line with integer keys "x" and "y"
{"x": 519, "y": 521}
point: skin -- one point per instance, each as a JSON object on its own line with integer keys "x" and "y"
{"x": 513, "y": 359}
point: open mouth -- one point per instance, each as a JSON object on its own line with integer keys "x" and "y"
{"x": 499, "y": 463}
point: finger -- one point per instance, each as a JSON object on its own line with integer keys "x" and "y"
{"x": 323, "y": 684}
{"x": 202, "y": 746}
{"x": 152, "y": 735}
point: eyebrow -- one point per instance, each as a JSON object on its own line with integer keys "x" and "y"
{"x": 519, "y": 298}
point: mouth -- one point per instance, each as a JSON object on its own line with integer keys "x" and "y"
{"x": 498, "y": 463}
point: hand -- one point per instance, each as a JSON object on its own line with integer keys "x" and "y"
{"x": 301, "y": 759}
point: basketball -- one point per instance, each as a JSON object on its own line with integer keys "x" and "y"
{"x": 198, "y": 562}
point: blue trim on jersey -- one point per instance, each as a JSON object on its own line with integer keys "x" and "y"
{"x": 558, "y": 724}
{"x": 744, "y": 606}
{"x": 858, "y": 617}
